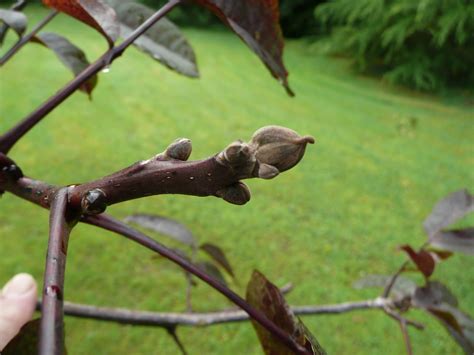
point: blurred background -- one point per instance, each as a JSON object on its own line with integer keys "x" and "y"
{"x": 386, "y": 87}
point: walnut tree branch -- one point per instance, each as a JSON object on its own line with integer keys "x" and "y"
{"x": 8, "y": 140}
{"x": 167, "y": 319}
{"x": 271, "y": 150}
{"x": 52, "y": 322}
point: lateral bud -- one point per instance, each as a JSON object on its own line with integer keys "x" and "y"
{"x": 94, "y": 202}
{"x": 180, "y": 149}
{"x": 237, "y": 194}
{"x": 12, "y": 172}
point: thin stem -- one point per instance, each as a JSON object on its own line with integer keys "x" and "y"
{"x": 52, "y": 324}
{"x": 25, "y": 39}
{"x": 395, "y": 276}
{"x": 8, "y": 140}
{"x": 406, "y": 337}
{"x": 108, "y": 223}
{"x": 167, "y": 319}
{"x": 394, "y": 279}
{"x": 399, "y": 318}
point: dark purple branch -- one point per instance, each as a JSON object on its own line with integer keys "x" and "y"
{"x": 393, "y": 279}
{"x": 8, "y": 140}
{"x": 270, "y": 151}
{"x": 108, "y": 223}
{"x": 52, "y": 323}
{"x": 197, "y": 178}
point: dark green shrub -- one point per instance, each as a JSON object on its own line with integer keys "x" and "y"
{"x": 426, "y": 44}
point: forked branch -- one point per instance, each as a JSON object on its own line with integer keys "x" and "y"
{"x": 160, "y": 319}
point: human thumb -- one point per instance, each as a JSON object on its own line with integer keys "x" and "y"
{"x": 17, "y": 304}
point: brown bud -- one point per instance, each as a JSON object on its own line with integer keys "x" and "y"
{"x": 236, "y": 153}
{"x": 280, "y": 147}
{"x": 237, "y": 194}
{"x": 266, "y": 171}
{"x": 180, "y": 149}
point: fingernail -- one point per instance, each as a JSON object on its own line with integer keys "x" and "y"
{"x": 19, "y": 285}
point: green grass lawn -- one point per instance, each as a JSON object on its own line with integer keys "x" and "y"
{"x": 361, "y": 191}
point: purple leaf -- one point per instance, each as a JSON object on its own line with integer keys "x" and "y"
{"x": 212, "y": 270}
{"x": 461, "y": 240}
{"x": 449, "y": 210}
{"x": 218, "y": 255}
{"x": 94, "y": 13}
{"x": 70, "y": 55}
{"x": 436, "y": 299}
{"x": 164, "y": 42}
{"x": 266, "y": 297}
{"x": 15, "y": 20}
{"x": 423, "y": 260}
{"x": 256, "y": 22}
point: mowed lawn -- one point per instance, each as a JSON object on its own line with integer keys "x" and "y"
{"x": 383, "y": 157}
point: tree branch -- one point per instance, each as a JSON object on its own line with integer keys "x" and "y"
{"x": 168, "y": 319}
{"x": 52, "y": 323}
{"x": 110, "y": 224}
{"x": 219, "y": 175}
{"x": 8, "y": 140}
{"x": 399, "y": 318}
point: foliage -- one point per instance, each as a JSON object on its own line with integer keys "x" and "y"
{"x": 296, "y": 18}
{"x": 424, "y": 44}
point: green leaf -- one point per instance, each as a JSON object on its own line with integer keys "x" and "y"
{"x": 266, "y": 297}
{"x": 218, "y": 255}
{"x": 164, "y": 41}
{"x": 70, "y": 55}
